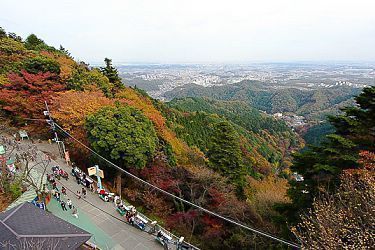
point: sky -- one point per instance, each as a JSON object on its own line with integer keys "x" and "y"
{"x": 199, "y": 31}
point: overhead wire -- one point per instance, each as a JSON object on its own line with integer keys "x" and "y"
{"x": 257, "y": 231}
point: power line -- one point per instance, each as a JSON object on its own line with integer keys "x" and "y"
{"x": 291, "y": 244}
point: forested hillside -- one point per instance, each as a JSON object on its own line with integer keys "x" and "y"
{"x": 316, "y": 134}
{"x": 219, "y": 158}
{"x": 265, "y": 142}
{"x": 313, "y": 104}
{"x": 336, "y": 200}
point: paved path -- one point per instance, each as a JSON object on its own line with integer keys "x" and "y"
{"x": 96, "y": 216}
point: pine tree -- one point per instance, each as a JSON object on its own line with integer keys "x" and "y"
{"x": 112, "y": 74}
{"x": 322, "y": 165}
{"x": 225, "y": 154}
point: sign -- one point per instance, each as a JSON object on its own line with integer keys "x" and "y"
{"x": 98, "y": 173}
{"x": 92, "y": 171}
{"x": 101, "y": 173}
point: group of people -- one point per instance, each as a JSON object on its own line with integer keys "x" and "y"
{"x": 55, "y": 192}
{"x": 59, "y": 172}
{"x": 82, "y": 192}
{"x": 81, "y": 178}
{"x": 130, "y": 213}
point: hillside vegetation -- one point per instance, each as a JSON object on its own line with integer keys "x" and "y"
{"x": 211, "y": 153}
{"x": 314, "y": 104}
{"x": 265, "y": 142}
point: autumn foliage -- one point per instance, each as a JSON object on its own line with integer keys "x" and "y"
{"x": 70, "y": 110}
{"x": 345, "y": 219}
{"x": 24, "y": 95}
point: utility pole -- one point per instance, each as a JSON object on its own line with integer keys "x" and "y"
{"x": 50, "y": 121}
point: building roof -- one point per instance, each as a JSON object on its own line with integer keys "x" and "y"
{"x": 27, "y": 225}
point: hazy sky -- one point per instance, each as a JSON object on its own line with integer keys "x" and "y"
{"x": 199, "y": 30}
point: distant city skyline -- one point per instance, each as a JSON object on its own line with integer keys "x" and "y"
{"x": 205, "y": 31}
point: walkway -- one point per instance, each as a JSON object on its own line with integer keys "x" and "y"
{"x": 96, "y": 216}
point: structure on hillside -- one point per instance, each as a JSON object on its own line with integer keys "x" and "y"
{"x": 29, "y": 227}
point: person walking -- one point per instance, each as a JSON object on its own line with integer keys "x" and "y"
{"x": 78, "y": 194}
{"x": 117, "y": 200}
{"x": 69, "y": 203}
{"x": 63, "y": 191}
{"x": 75, "y": 212}
{"x": 57, "y": 196}
{"x": 63, "y": 206}
{"x": 84, "y": 192}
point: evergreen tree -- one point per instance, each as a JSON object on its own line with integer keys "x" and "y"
{"x": 112, "y": 74}
{"x": 225, "y": 154}
{"x": 32, "y": 42}
{"x": 322, "y": 165}
{"x": 15, "y": 37}
{"x": 65, "y": 51}
{"x": 123, "y": 134}
{"x": 2, "y": 33}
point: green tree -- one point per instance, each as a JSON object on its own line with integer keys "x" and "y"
{"x": 112, "y": 74}
{"x": 65, "y": 51}
{"x": 32, "y": 41}
{"x": 225, "y": 154}
{"x": 123, "y": 134}
{"x": 39, "y": 64}
{"x": 15, "y": 37}
{"x": 322, "y": 165}
{"x": 82, "y": 77}
{"x": 2, "y": 33}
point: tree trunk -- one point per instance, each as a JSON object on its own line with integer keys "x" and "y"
{"x": 118, "y": 182}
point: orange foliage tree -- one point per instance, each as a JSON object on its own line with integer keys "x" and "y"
{"x": 71, "y": 108}
{"x": 66, "y": 63}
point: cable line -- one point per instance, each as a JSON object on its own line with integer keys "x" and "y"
{"x": 291, "y": 244}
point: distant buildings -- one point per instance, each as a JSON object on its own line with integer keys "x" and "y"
{"x": 304, "y": 76}
{"x": 293, "y": 121}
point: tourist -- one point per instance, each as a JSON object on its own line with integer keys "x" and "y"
{"x": 84, "y": 192}
{"x": 78, "y": 194}
{"x": 75, "y": 212}
{"x": 63, "y": 206}
{"x": 116, "y": 199}
{"x": 69, "y": 203}
{"x": 63, "y": 191}
{"x": 77, "y": 175}
{"x": 131, "y": 220}
{"x": 57, "y": 196}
